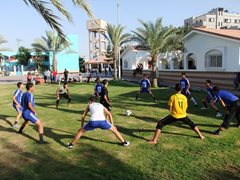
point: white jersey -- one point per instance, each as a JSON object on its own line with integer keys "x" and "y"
{"x": 97, "y": 112}
{"x": 62, "y": 90}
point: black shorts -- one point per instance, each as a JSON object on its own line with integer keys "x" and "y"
{"x": 169, "y": 119}
{"x": 106, "y": 105}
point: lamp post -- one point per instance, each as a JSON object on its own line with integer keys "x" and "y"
{"x": 119, "y": 60}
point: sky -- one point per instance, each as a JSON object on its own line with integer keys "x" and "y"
{"x": 21, "y": 22}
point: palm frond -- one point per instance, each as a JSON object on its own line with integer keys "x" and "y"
{"x": 62, "y": 10}
{"x": 82, "y": 4}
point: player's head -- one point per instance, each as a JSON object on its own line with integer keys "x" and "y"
{"x": 30, "y": 87}
{"x": 215, "y": 89}
{"x": 144, "y": 76}
{"x": 178, "y": 87}
{"x": 105, "y": 82}
{"x": 19, "y": 84}
{"x": 183, "y": 75}
{"x": 92, "y": 99}
{"x": 97, "y": 80}
{"x": 65, "y": 84}
{"x": 208, "y": 83}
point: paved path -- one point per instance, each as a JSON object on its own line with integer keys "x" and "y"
{"x": 12, "y": 79}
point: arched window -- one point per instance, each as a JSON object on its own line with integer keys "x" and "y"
{"x": 213, "y": 59}
{"x": 191, "y": 61}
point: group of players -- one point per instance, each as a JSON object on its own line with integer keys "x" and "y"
{"x": 102, "y": 118}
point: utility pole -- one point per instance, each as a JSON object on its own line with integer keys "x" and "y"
{"x": 119, "y": 60}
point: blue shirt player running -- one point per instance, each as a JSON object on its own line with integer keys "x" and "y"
{"x": 231, "y": 104}
{"x": 29, "y": 113}
{"x": 17, "y": 96}
{"x": 185, "y": 84}
{"x": 97, "y": 120}
{"x": 210, "y": 98}
{"x": 145, "y": 86}
{"x": 98, "y": 88}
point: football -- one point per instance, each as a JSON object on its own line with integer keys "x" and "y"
{"x": 128, "y": 113}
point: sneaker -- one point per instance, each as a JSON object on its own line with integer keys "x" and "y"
{"x": 69, "y": 146}
{"x": 15, "y": 126}
{"x": 126, "y": 143}
{"x": 204, "y": 108}
{"x": 217, "y": 132}
{"x": 218, "y": 114}
{"x": 154, "y": 99}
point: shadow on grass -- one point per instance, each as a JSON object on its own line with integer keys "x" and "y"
{"x": 87, "y": 162}
{"x": 5, "y": 118}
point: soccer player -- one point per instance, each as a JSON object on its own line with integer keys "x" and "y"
{"x": 145, "y": 86}
{"x": 29, "y": 113}
{"x": 177, "y": 107}
{"x": 97, "y": 120}
{"x": 104, "y": 99}
{"x": 231, "y": 104}
{"x": 61, "y": 92}
{"x": 17, "y": 102}
{"x": 209, "y": 99}
{"x": 186, "y": 88}
{"x": 98, "y": 87}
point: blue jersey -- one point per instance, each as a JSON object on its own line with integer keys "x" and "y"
{"x": 98, "y": 88}
{"x": 26, "y": 99}
{"x": 145, "y": 84}
{"x": 227, "y": 97}
{"x": 210, "y": 93}
{"x": 184, "y": 84}
{"x": 18, "y": 95}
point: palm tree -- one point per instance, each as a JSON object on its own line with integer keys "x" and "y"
{"x": 51, "y": 43}
{"x": 155, "y": 38}
{"x": 2, "y": 41}
{"x": 52, "y": 20}
{"x": 116, "y": 39}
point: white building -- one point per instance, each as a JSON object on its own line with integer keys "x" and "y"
{"x": 212, "y": 50}
{"x": 215, "y": 19}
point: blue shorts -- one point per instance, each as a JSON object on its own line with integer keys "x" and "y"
{"x": 91, "y": 125}
{"x": 29, "y": 116}
{"x": 145, "y": 90}
{"x": 17, "y": 109}
{"x": 186, "y": 93}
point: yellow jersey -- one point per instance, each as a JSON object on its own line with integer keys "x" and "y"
{"x": 178, "y": 105}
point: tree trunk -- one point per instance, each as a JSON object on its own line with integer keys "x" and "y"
{"x": 54, "y": 63}
{"x": 115, "y": 64}
{"x": 153, "y": 73}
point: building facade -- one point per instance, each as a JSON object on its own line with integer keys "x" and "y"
{"x": 215, "y": 19}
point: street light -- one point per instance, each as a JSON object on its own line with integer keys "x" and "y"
{"x": 119, "y": 61}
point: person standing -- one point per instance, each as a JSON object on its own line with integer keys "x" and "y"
{"x": 63, "y": 92}
{"x": 65, "y": 75}
{"x": 145, "y": 86}
{"x": 97, "y": 120}
{"x": 48, "y": 76}
{"x": 98, "y": 87}
{"x": 17, "y": 97}
{"x": 231, "y": 105}
{"x": 186, "y": 88}
{"x": 104, "y": 99}
{"x": 178, "y": 112}
{"x": 29, "y": 113}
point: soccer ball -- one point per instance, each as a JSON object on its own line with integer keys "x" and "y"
{"x": 128, "y": 113}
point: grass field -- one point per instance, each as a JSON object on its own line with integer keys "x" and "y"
{"x": 179, "y": 154}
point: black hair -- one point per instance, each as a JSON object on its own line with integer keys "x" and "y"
{"x": 65, "y": 83}
{"x": 209, "y": 81}
{"x": 105, "y": 81}
{"x": 93, "y": 99}
{"x": 29, "y": 85}
{"x": 215, "y": 88}
{"x": 145, "y": 75}
{"x": 183, "y": 73}
{"x": 19, "y": 84}
{"x": 178, "y": 87}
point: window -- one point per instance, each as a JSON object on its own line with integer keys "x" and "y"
{"x": 214, "y": 59}
{"x": 125, "y": 64}
{"x": 227, "y": 20}
{"x": 237, "y": 21}
{"x": 211, "y": 19}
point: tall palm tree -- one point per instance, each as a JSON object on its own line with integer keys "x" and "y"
{"x": 52, "y": 20}
{"x": 51, "y": 43}
{"x": 116, "y": 38}
{"x": 2, "y": 41}
{"x": 154, "y": 37}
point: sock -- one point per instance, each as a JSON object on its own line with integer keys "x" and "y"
{"x": 15, "y": 123}
{"x": 41, "y": 138}
{"x": 193, "y": 100}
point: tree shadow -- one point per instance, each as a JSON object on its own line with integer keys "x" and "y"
{"x": 5, "y": 118}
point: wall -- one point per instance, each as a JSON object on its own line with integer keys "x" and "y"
{"x": 199, "y": 44}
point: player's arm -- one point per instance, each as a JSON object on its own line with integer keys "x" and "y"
{"x": 15, "y": 101}
{"x": 57, "y": 93}
{"x": 30, "y": 106}
{"x": 68, "y": 92}
{"x": 223, "y": 105}
{"x": 108, "y": 114}
{"x": 84, "y": 115}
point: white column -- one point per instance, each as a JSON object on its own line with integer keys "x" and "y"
{"x": 14, "y": 69}
{"x": 22, "y": 69}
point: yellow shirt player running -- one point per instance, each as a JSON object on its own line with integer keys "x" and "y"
{"x": 177, "y": 107}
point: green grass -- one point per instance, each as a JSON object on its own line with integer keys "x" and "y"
{"x": 179, "y": 154}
